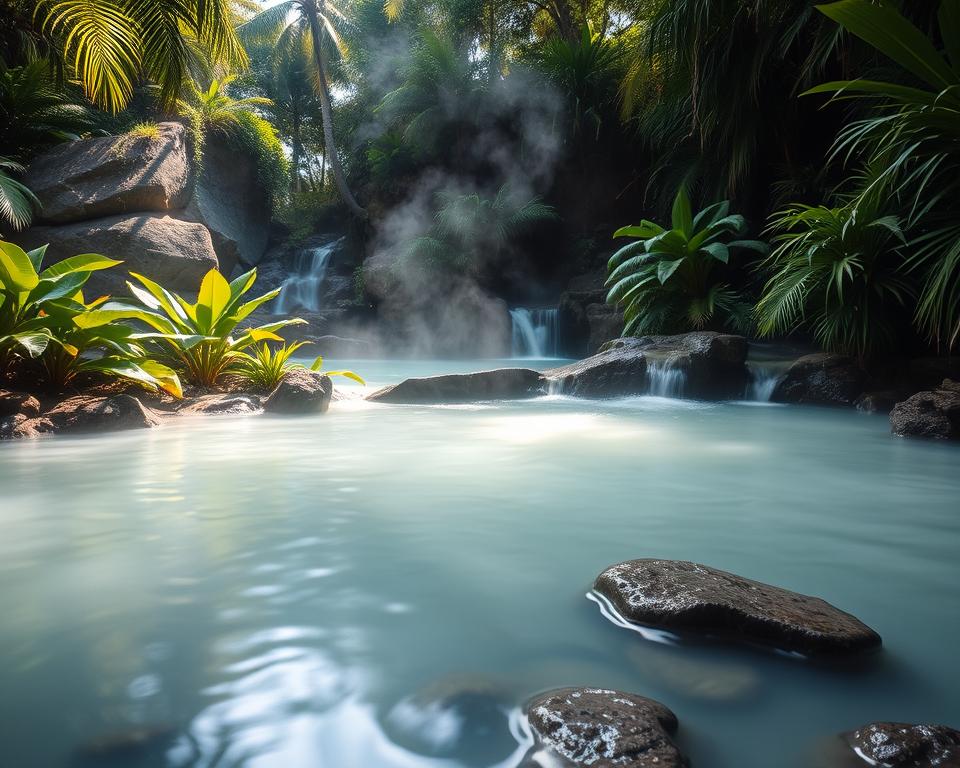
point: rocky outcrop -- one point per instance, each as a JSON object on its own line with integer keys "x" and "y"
{"x": 300, "y": 392}
{"x": 585, "y": 319}
{"x": 12, "y": 403}
{"x": 92, "y": 178}
{"x": 501, "y": 384}
{"x": 934, "y": 414}
{"x": 175, "y": 253}
{"x": 136, "y": 198}
{"x": 702, "y": 364}
{"x": 901, "y": 745}
{"x": 605, "y": 729}
{"x": 223, "y": 403}
{"x": 821, "y": 379}
{"x": 230, "y": 202}
{"x": 689, "y": 597}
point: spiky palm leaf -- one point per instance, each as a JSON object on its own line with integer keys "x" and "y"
{"x": 17, "y": 202}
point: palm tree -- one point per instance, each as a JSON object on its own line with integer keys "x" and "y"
{"x": 111, "y": 44}
{"x": 311, "y": 21}
{"x": 213, "y": 110}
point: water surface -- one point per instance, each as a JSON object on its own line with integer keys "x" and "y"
{"x": 382, "y": 586}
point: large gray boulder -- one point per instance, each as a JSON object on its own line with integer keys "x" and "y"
{"x": 934, "y": 414}
{"x": 230, "y": 202}
{"x": 605, "y": 729}
{"x": 92, "y": 178}
{"x": 501, "y": 384}
{"x": 702, "y": 364}
{"x": 689, "y": 597}
{"x": 821, "y": 379}
{"x": 83, "y": 413}
{"x": 900, "y": 745}
{"x": 300, "y": 392}
{"x": 175, "y": 253}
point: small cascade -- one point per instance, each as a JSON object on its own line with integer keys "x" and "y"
{"x": 665, "y": 380}
{"x": 763, "y": 380}
{"x": 302, "y": 288}
{"x": 535, "y": 332}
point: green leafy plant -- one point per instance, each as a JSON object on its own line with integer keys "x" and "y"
{"x": 17, "y": 202}
{"x": 914, "y": 134}
{"x": 839, "y": 273}
{"x": 671, "y": 280}
{"x": 196, "y": 337}
{"x": 266, "y": 367}
{"x": 42, "y": 315}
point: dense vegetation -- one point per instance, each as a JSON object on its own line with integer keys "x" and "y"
{"x": 508, "y": 139}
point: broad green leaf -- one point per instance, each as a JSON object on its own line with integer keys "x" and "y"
{"x": 34, "y": 343}
{"x": 682, "y": 215}
{"x": 84, "y": 262}
{"x": 244, "y": 310}
{"x": 36, "y": 256}
{"x": 260, "y": 335}
{"x": 883, "y": 27}
{"x": 112, "y": 312}
{"x": 710, "y": 214}
{"x": 666, "y": 268}
{"x": 317, "y": 364}
{"x": 212, "y": 300}
{"x": 719, "y": 251}
{"x": 167, "y": 378}
{"x": 166, "y": 300}
{"x": 16, "y": 269}
{"x": 889, "y": 90}
{"x": 644, "y": 230}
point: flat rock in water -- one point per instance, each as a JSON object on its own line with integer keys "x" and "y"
{"x": 901, "y": 745}
{"x": 224, "y": 404}
{"x": 605, "y": 729}
{"x": 706, "y": 365}
{"x": 501, "y": 384}
{"x": 689, "y": 597}
{"x": 85, "y": 413}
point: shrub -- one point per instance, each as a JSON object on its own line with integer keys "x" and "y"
{"x": 196, "y": 337}
{"x": 671, "y": 280}
{"x": 266, "y": 367}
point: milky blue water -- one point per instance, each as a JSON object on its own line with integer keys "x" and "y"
{"x": 385, "y": 586}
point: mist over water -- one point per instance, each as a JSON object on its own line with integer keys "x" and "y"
{"x": 385, "y": 586}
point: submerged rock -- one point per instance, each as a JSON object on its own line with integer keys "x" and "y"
{"x": 605, "y": 729}
{"x": 700, "y": 365}
{"x": 934, "y": 414}
{"x": 461, "y": 719}
{"x": 821, "y": 379}
{"x": 126, "y": 747}
{"x": 900, "y": 745}
{"x": 689, "y": 597}
{"x": 501, "y": 384}
{"x": 113, "y": 175}
{"x": 299, "y": 392}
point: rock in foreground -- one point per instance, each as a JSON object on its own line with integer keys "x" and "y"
{"x": 689, "y": 597}
{"x": 606, "y": 729}
{"x": 821, "y": 379}
{"x": 300, "y": 391}
{"x": 701, "y": 365}
{"x": 86, "y": 413}
{"x": 501, "y": 384}
{"x": 934, "y": 414}
{"x": 900, "y": 745}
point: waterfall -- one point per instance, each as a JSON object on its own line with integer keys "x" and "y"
{"x": 763, "y": 380}
{"x": 302, "y": 287}
{"x": 535, "y": 332}
{"x": 665, "y": 380}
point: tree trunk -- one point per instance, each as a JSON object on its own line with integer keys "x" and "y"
{"x": 323, "y": 170}
{"x": 297, "y": 152}
{"x": 336, "y": 168}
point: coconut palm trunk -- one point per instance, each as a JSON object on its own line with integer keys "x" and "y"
{"x": 336, "y": 168}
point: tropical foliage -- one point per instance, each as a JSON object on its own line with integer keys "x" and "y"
{"x": 671, "y": 280}
{"x": 195, "y": 337}
{"x": 266, "y": 366}
{"x": 43, "y": 317}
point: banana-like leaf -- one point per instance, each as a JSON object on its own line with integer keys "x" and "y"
{"x": 34, "y": 343}
{"x": 166, "y": 378}
{"x": 212, "y": 300}
{"x": 883, "y": 27}
{"x": 114, "y": 311}
{"x": 17, "y": 273}
{"x": 644, "y": 230}
{"x": 84, "y": 262}
{"x": 347, "y": 374}
{"x": 719, "y": 251}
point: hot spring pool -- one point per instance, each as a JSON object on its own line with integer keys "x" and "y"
{"x": 384, "y": 586}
